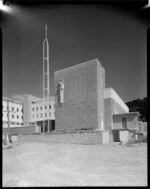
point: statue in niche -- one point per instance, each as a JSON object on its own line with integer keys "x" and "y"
{"x": 60, "y": 93}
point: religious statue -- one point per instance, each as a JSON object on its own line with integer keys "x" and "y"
{"x": 60, "y": 93}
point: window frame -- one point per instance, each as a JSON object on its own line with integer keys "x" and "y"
{"x": 124, "y": 122}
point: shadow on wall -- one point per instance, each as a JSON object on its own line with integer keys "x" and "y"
{"x": 51, "y": 126}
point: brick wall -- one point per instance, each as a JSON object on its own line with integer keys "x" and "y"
{"x": 90, "y": 137}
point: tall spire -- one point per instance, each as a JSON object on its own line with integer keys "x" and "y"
{"x": 46, "y": 27}
{"x": 46, "y": 82}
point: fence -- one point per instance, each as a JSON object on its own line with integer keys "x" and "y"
{"x": 22, "y": 130}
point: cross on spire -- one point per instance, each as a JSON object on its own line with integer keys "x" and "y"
{"x": 46, "y": 27}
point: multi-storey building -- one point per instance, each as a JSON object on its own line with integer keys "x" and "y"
{"x": 26, "y": 111}
{"x": 113, "y": 105}
{"x": 42, "y": 113}
{"x": 35, "y": 113}
{"x": 12, "y": 113}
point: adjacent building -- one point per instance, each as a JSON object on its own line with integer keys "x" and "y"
{"x": 28, "y": 110}
{"x": 113, "y": 105}
{"x": 12, "y": 113}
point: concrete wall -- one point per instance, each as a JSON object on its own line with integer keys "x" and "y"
{"x": 141, "y": 126}
{"x": 27, "y": 109}
{"x": 132, "y": 121}
{"x": 145, "y": 127}
{"x": 111, "y": 108}
{"x": 83, "y": 97}
{"x": 100, "y": 94}
{"x": 116, "y": 108}
{"x": 108, "y": 112}
{"x": 111, "y": 93}
{"x": 124, "y": 136}
{"x": 22, "y": 130}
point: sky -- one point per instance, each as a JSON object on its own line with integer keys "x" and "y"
{"x": 76, "y": 34}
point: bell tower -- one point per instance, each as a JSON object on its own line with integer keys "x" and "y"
{"x": 46, "y": 83}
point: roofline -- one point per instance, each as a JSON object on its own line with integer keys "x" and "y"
{"x": 127, "y": 113}
{"x": 13, "y": 100}
{"x": 109, "y": 92}
{"x": 51, "y": 98}
{"x": 74, "y": 66}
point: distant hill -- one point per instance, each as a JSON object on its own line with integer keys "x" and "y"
{"x": 139, "y": 105}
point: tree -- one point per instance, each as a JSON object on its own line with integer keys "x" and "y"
{"x": 139, "y": 105}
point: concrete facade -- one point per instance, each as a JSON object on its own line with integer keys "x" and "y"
{"x": 37, "y": 112}
{"x": 124, "y": 136}
{"x": 145, "y": 128}
{"x": 13, "y": 109}
{"x": 27, "y": 110}
{"x": 132, "y": 121}
{"x": 33, "y": 108}
{"x": 83, "y": 97}
{"x": 113, "y": 105}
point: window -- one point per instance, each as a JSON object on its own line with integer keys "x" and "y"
{"x": 12, "y": 108}
{"x": 124, "y": 122}
{"x": 12, "y": 115}
{"x": 17, "y": 110}
{"x": 49, "y": 106}
{"x": 12, "y": 123}
{"x": 41, "y": 108}
{"x": 17, "y": 117}
{"x": 37, "y": 108}
{"x": 21, "y": 110}
{"x": 45, "y": 107}
{"x": 33, "y": 109}
{"x": 17, "y": 123}
{"x": 46, "y": 115}
{"x": 21, "y": 117}
{"x": 41, "y": 115}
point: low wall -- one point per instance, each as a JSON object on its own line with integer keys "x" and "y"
{"x": 22, "y": 130}
{"x": 76, "y": 137}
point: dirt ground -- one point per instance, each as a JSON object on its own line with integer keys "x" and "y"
{"x": 51, "y": 164}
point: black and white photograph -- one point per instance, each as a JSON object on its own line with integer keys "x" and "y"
{"x": 74, "y": 93}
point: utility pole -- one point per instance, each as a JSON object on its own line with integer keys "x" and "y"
{"x": 8, "y": 116}
{"x": 9, "y": 132}
{"x": 46, "y": 82}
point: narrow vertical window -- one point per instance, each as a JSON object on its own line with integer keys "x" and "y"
{"x": 124, "y": 123}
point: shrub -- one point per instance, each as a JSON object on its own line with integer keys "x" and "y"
{"x": 142, "y": 139}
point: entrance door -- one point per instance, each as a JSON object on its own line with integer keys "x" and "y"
{"x": 53, "y": 124}
{"x": 116, "y": 137}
